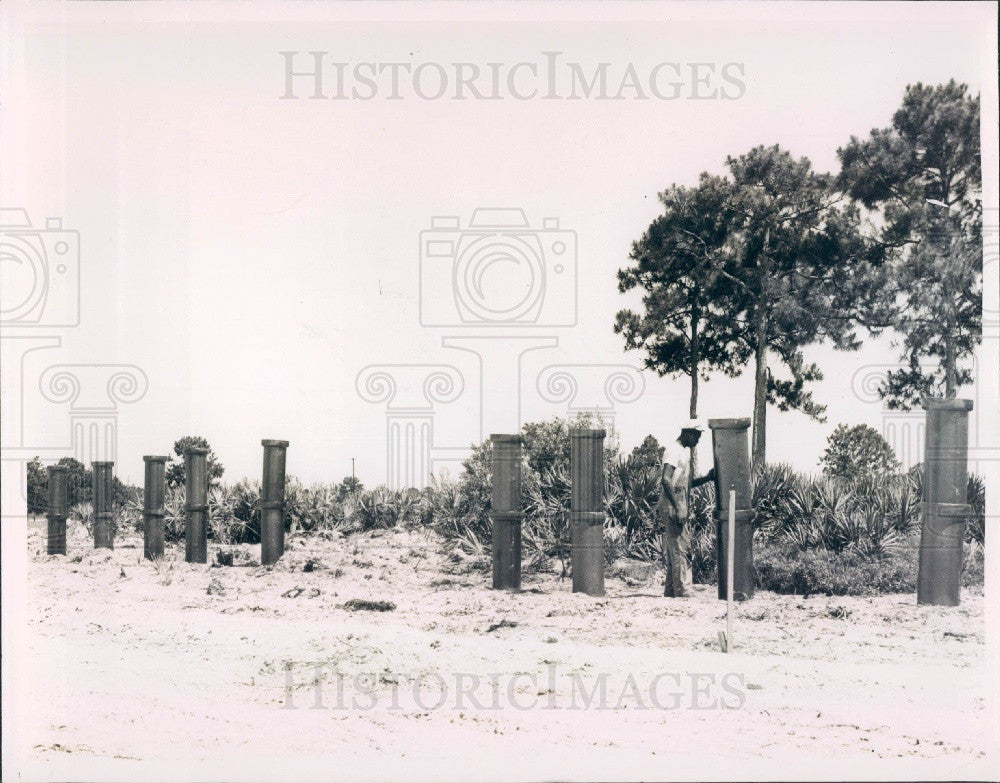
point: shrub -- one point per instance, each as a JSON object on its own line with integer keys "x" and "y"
{"x": 37, "y": 486}
{"x": 973, "y": 565}
{"x": 632, "y": 488}
{"x": 321, "y": 507}
{"x": 546, "y": 529}
{"x": 787, "y": 569}
{"x": 858, "y": 452}
{"x": 870, "y": 515}
{"x": 173, "y": 514}
{"x": 773, "y": 495}
{"x": 976, "y": 528}
{"x": 234, "y": 513}
{"x": 702, "y": 550}
{"x": 175, "y": 467}
{"x": 127, "y": 510}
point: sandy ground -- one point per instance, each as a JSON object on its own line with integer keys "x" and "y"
{"x": 181, "y": 671}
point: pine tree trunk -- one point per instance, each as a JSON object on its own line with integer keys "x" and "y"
{"x": 950, "y": 371}
{"x": 760, "y": 394}
{"x": 693, "y": 406}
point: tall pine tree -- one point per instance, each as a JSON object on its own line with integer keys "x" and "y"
{"x": 922, "y": 178}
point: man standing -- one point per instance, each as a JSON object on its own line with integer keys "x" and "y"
{"x": 672, "y": 514}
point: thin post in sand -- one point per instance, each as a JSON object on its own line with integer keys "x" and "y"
{"x": 730, "y": 547}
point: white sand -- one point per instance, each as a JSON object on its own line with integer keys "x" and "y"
{"x": 137, "y": 673}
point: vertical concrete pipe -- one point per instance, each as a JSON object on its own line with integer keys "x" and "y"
{"x": 102, "y": 497}
{"x": 57, "y": 508}
{"x": 196, "y": 505}
{"x": 945, "y": 507}
{"x": 154, "y": 482}
{"x": 272, "y": 502}
{"x": 506, "y": 512}
{"x": 586, "y": 450}
{"x": 731, "y": 457}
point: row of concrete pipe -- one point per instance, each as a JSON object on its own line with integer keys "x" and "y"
{"x": 272, "y": 505}
{"x": 730, "y": 454}
{"x": 945, "y": 505}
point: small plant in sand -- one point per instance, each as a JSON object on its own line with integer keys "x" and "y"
{"x": 163, "y": 570}
{"x": 84, "y": 514}
{"x": 174, "y": 514}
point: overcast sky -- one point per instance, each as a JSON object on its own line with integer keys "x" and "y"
{"x": 253, "y": 254}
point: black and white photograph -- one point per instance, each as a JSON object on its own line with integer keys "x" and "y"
{"x": 499, "y": 391}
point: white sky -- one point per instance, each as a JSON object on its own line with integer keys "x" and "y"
{"x": 253, "y": 254}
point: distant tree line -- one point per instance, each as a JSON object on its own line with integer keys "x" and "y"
{"x": 80, "y": 478}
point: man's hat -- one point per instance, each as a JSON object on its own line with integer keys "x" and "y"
{"x": 694, "y": 424}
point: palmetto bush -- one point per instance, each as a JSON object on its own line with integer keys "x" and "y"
{"x": 234, "y": 512}
{"x": 383, "y": 508}
{"x": 321, "y": 507}
{"x": 127, "y": 509}
{"x": 702, "y": 552}
{"x": 871, "y": 516}
{"x": 975, "y": 531}
{"x": 632, "y": 488}
{"x": 173, "y": 514}
{"x": 546, "y": 529}
{"x": 774, "y": 497}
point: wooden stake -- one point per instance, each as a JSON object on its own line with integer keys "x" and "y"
{"x": 730, "y": 552}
